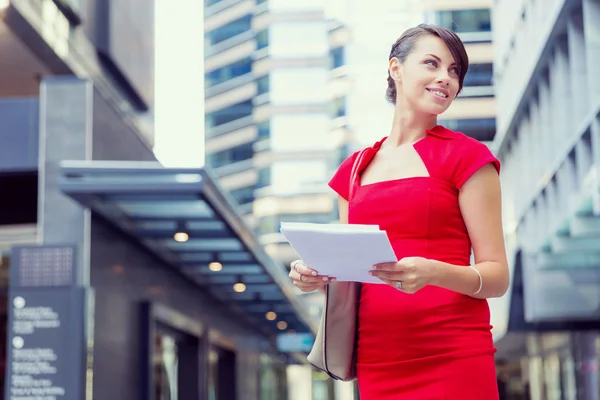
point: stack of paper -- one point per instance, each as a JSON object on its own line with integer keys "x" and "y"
{"x": 344, "y": 251}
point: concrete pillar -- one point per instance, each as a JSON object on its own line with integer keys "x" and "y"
{"x": 578, "y": 69}
{"x": 66, "y": 115}
{"x": 591, "y": 31}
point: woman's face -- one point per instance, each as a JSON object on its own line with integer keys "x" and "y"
{"x": 428, "y": 80}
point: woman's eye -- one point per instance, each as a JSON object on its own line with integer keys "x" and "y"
{"x": 454, "y": 70}
{"x": 431, "y": 62}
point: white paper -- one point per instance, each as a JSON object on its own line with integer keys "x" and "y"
{"x": 343, "y": 251}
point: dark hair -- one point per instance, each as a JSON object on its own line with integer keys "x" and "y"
{"x": 406, "y": 43}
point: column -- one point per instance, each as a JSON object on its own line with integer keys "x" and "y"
{"x": 66, "y": 114}
{"x": 591, "y": 31}
{"x": 578, "y": 68}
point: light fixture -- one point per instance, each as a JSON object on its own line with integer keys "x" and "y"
{"x": 239, "y": 287}
{"x": 215, "y": 266}
{"x": 181, "y": 234}
{"x": 282, "y": 325}
{"x": 181, "y": 237}
{"x": 271, "y": 316}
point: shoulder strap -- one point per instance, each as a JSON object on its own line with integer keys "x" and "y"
{"x": 354, "y": 172}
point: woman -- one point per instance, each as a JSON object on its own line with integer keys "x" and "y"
{"x": 426, "y": 334}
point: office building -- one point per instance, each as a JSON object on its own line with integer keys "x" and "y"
{"x": 548, "y": 140}
{"x": 120, "y": 278}
{"x": 275, "y": 103}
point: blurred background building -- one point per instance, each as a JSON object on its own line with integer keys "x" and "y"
{"x": 548, "y": 139}
{"x": 123, "y": 278}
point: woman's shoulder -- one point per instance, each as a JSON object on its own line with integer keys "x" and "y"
{"x": 456, "y": 137}
{"x": 458, "y": 155}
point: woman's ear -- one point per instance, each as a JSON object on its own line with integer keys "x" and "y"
{"x": 395, "y": 69}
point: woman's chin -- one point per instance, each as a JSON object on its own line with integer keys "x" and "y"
{"x": 434, "y": 109}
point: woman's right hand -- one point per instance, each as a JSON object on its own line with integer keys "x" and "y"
{"x": 307, "y": 279}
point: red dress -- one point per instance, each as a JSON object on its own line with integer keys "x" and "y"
{"x": 435, "y": 344}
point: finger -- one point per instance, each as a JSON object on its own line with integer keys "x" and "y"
{"x": 303, "y": 269}
{"x": 387, "y": 266}
{"x": 391, "y": 275}
{"x": 320, "y": 279}
{"x": 394, "y": 284}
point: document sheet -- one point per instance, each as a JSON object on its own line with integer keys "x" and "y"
{"x": 344, "y": 251}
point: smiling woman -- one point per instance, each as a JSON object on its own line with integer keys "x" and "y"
{"x": 426, "y": 334}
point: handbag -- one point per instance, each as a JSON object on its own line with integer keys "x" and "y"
{"x": 334, "y": 349}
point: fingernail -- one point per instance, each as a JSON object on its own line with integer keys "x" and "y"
{"x": 314, "y": 273}
{"x": 325, "y": 279}
{"x": 371, "y": 273}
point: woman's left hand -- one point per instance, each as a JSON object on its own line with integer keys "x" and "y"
{"x": 409, "y": 275}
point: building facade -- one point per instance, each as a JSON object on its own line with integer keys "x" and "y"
{"x": 548, "y": 140}
{"x": 275, "y": 103}
{"x": 474, "y": 110}
{"x": 120, "y": 278}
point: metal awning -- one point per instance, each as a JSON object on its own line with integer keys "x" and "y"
{"x": 153, "y": 204}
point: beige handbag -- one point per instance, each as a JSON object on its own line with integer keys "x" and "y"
{"x": 334, "y": 349}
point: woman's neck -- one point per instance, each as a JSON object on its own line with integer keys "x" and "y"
{"x": 409, "y": 127}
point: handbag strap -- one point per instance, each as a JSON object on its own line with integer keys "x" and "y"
{"x": 354, "y": 171}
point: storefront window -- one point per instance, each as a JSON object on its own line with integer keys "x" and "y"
{"x": 166, "y": 364}
{"x": 221, "y": 374}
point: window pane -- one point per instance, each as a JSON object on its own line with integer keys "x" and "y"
{"x": 229, "y": 114}
{"x": 465, "y": 20}
{"x": 479, "y": 75}
{"x": 228, "y": 31}
{"x": 482, "y": 129}
{"x": 231, "y": 71}
{"x": 230, "y": 156}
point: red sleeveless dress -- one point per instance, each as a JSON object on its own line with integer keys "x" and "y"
{"x": 435, "y": 344}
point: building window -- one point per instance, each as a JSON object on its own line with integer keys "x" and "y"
{"x": 229, "y": 114}
{"x": 339, "y": 107}
{"x": 264, "y": 130}
{"x": 228, "y": 31}
{"x": 462, "y": 21}
{"x": 243, "y": 195}
{"x": 479, "y": 75}
{"x": 208, "y": 3}
{"x": 221, "y": 374}
{"x": 262, "y": 39}
{"x": 263, "y": 84}
{"x": 235, "y": 154}
{"x": 264, "y": 178}
{"x": 231, "y": 71}
{"x": 482, "y": 129}
{"x": 337, "y": 58}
